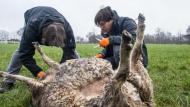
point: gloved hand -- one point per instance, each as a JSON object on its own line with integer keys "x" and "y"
{"x": 41, "y": 75}
{"x": 99, "y": 55}
{"x": 104, "y": 42}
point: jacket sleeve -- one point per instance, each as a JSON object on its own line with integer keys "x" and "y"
{"x": 69, "y": 53}
{"x": 131, "y": 26}
{"x": 69, "y": 49}
{"x": 27, "y": 51}
{"x": 115, "y": 40}
{"x": 128, "y": 25}
{"x": 104, "y": 52}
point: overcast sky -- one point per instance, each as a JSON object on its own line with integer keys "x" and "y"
{"x": 169, "y": 15}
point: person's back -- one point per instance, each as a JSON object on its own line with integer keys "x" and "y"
{"x": 41, "y": 16}
{"x": 48, "y": 27}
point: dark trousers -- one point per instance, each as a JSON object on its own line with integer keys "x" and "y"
{"x": 14, "y": 66}
{"x": 114, "y": 60}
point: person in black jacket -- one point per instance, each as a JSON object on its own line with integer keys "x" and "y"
{"x": 48, "y": 27}
{"x": 112, "y": 27}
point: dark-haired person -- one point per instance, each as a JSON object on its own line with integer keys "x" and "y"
{"x": 48, "y": 27}
{"x": 112, "y": 27}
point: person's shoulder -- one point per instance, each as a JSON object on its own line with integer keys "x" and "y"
{"x": 127, "y": 23}
{"x": 126, "y": 19}
{"x": 39, "y": 8}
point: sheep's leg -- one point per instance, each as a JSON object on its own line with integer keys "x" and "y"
{"x": 114, "y": 88}
{"x": 125, "y": 49}
{"x": 45, "y": 58}
{"x": 138, "y": 74}
{"x": 30, "y": 81}
{"x": 136, "y": 51}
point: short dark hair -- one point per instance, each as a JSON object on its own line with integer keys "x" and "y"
{"x": 105, "y": 14}
{"x": 54, "y": 34}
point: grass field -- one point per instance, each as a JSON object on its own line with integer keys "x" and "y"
{"x": 169, "y": 68}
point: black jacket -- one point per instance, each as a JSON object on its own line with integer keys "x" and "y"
{"x": 35, "y": 20}
{"x": 111, "y": 52}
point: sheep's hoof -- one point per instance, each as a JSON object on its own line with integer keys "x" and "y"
{"x": 126, "y": 36}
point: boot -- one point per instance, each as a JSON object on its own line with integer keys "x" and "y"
{"x": 6, "y": 87}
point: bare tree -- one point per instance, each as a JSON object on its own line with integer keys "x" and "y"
{"x": 79, "y": 39}
{"x": 4, "y": 35}
{"x": 20, "y": 31}
{"x": 92, "y": 37}
{"x": 187, "y": 36}
{"x": 188, "y": 30}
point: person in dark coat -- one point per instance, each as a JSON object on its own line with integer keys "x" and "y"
{"x": 112, "y": 27}
{"x": 46, "y": 26}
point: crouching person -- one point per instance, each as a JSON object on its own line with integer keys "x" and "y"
{"x": 112, "y": 26}
{"x": 48, "y": 27}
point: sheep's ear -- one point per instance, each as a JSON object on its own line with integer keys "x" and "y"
{"x": 30, "y": 81}
{"x": 51, "y": 63}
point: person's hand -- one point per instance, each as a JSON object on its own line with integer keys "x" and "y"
{"x": 41, "y": 75}
{"x": 99, "y": 55}
{"x": 104, "y": 42}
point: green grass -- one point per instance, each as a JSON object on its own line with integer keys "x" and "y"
{"x": 169, "y": 68}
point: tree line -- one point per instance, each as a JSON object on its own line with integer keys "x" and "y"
{"x": 159, "y": 37}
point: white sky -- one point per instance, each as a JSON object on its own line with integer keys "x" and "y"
{"x": 169, "y": 15}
